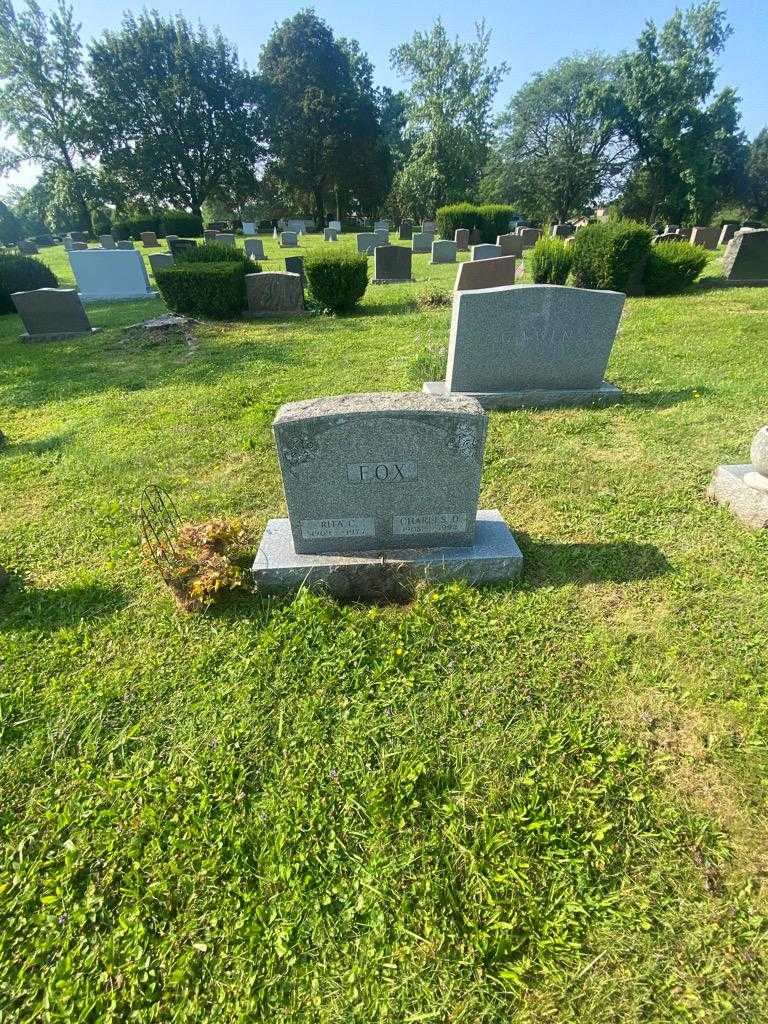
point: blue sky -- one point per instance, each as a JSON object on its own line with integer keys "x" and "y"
{"x": 529, "y": 37}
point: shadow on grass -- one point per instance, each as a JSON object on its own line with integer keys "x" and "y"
{"x": 42, "y": 447}
{"x": 555, "y": 565}
{"x": 39, "y": 610}
{"x": 662, "y": 399}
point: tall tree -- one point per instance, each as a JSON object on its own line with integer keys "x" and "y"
{"x": 321, "y": 116}
{"x": 757, "y": 174}
{"x": 557, "y": 150}
{"x": 448, "y": 109}
{"x": 43, "y": 91}
{"x": 173, "y": 115}
{"x": 688, "y": 144}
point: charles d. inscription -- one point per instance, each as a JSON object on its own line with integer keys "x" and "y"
{"x": 381, "y": 472}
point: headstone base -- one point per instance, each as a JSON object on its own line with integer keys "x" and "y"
{"x": 748, "y": 504}
{"x": 493, "y": 557}
{"x": 392, "y": 280}
{"x": 532, "y": 398}
{"x": 84, "y": 297}
{"x": 62, "y": 336}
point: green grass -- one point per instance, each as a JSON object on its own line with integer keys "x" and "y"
{"x": 543, "y": 802}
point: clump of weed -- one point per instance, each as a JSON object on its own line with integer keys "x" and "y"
{"x": 432, "y": 297}
{"x": 428, "y": 364}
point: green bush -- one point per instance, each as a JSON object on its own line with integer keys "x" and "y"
{"x": 611, "y": 255}
{"x": 22, "y": 274}
{"x": 214, "y": 252}
{"x": 179, "y": 222}
{"x": 337, "y": 280}
{"x": 672, "y": 266}
{"x": 214, "y": 290}
{"x": 101, "y": 223}
{"x": 131, "y": 227}
{"x": 490, "y": 219}
{"x": 550, "y": 261}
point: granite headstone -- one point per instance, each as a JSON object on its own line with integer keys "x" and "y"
{"x": 485, "y": 251}
{"x": 707, "y": 238}
{"x": 116, "y": 274}
{"x": 149, "y": 239}
{"x": 405, "y": 234}
{"x": 746, "y": 257}
{"x": 160, "y": 261}
{"x": 289, "y": 239}
{"x": 391, "y": 264}
{"x": 254, "y": 247}
{"x": 510, "y": 244}
{"x": 461, "y": 238}
{"x": 51, "y": 313}
{"x": 531, "y": 346}
{"x": 107, "y": 242}
{"x": 444, "y": 251}
{"x": 274, "y": 293}
{"x": 422, "y": 241}
{"x": 493, "y": 273}
{"x": 366, "y": 240}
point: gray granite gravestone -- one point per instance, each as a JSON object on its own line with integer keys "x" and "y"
{"x": 209, "y": 235}
{"x": 382, "y": 486}
{"x": 160, "y": 260}
{"x": 78, "y": 236}
{"x": 254, "y": 247}
{"x": 531, "y": 346}
{"x": 461, "y": 238}
{"x": 405, "y": 234}
{"x": 707, "y": 238}
{"x": 107, "y": 242}
{"x": 104, "y": 274}
{"x": 744, "y": 488}
{"x": 149, "y": 240}
{"x": 381, "y": 237}
{"x": 485, "y": 251}
{"x": 475, "y": 238}
{"x": 330, "y": 235}
{"x": 51, "y": 313}
{"x": 727, "y": 233}
{"x": 493, "y": 273}
{"x": 422, "y": 241}
{"x": 381, "y": 225}
{"x": 126, "y": 243}
{"x": 274, "y": 293}
{"x": 27, "y": 248}
{"x": 746, "y": 257}
{"x": 170, "y": 238}
{"x": 365, "y": 241}
{"x": 225, "y": 238}
{"x": 444, "y": 251}
{"x": 562, "y": 230}
{"x": 179, "y": 245}
{"x": 428, "y": 227}
{"x": 510, "y": 244}
{"x": 530, "y": 236}
{"x": 391, "y": 264}
{"x": 295, "y": 265}
{"x": 289, "y": 240}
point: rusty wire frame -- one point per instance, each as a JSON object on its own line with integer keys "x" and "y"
{"x": 159, "y": 524}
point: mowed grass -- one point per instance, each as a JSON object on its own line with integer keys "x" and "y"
{"x": 542, "y": 802}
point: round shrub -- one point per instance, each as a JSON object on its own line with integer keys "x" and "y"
{"x": 212, "y": 290}
{"x": 22, "y": 274}
{"x": 611, "y": 255}
{"x": 179, "y": 222}
{"x": 550, "y": 261}
{"x": 672, "y": 266}
{"x": 214, "y": 252}
{"x": 337, "y": 280}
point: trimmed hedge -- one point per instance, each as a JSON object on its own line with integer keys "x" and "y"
{"x": 131, "y": 227}
{"x": 22, "y": 274}
{"x": 491, "y": 219}
{"x": 213, "y": 290}
{"x": 179, "y": 222}
{"x": 550, "y": 261}
{"x": 611, "y": 255}
{"x": 214, "y": 252}
{"x": 672, "y": 266}
{"x": 337, "y": 280}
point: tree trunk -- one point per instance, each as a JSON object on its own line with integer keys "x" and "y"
{"x": 85, "y": 213}
{"x": 317, "y": 194}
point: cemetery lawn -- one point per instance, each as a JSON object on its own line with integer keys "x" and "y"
{"x": 542, "y": 802}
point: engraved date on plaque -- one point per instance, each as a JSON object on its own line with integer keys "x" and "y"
{"x": 381, "y": 472}
{"x": 322, "y": 529}
{"x": 429, "y": 522}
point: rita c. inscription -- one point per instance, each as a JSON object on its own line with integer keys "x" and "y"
{"x": 381, "y": 472}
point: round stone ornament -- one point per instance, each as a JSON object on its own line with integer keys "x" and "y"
{"x": 758, "y": 453}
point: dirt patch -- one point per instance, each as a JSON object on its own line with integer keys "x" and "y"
{"x": 178, "y": 331}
